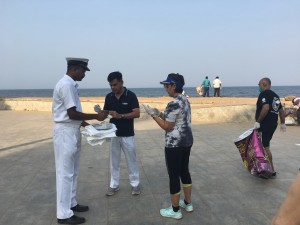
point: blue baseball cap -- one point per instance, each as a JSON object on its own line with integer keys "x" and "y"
{"x": 169, "y": 80}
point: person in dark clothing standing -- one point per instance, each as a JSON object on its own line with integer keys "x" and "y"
{"x": 123, "y": 106}
{"x": 176, "y": 121}
{"x": 268, "y": 107}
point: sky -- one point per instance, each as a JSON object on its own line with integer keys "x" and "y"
{"x": 240, "y": 41}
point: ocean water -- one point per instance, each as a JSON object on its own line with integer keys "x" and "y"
{"x": 282, "y": 91}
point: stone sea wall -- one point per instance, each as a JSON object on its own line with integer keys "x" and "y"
{"x": 210, "y": 111}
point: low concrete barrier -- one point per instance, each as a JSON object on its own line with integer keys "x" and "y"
{"x": 44, "y": 105}
{"x": 211, "y": 114}
{"x": 242, "y": 113}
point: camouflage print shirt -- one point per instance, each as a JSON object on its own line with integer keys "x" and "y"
{"x": 179, "y": 111}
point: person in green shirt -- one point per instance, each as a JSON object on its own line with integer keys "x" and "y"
{"x": 206, "y": 85}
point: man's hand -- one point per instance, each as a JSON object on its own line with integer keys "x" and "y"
{"x": 115, "y": 115}
{"x": 256, "y": 125}
{"x": 282, "y": 127}
{"x": 102, "y": 114}
{"x": 97, "y": 108}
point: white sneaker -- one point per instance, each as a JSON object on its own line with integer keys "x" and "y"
{"x": 168, "y": 212}
{"x": 188, "y": 207}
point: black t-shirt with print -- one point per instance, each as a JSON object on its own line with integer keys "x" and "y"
{"x": 271, "y": 119}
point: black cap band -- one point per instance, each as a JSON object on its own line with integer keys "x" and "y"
{"x": 79, "y": 63}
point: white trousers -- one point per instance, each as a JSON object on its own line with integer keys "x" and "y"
{"x": 67, "y": 146}
{"x": 127, "y": 145}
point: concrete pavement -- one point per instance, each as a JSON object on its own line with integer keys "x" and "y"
{"x": 224, "y": 193}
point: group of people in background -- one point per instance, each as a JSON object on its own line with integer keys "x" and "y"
{"x": 217, "y": 85}
{"x": 122, "y": 106}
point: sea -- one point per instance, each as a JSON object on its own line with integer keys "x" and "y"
{"x": 249, "y": 91}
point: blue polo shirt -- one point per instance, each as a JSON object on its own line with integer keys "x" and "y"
{"x": 206, "y": 83}
{"x": 125, "y": 104}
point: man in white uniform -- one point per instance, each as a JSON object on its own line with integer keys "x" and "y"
{"x": 68, "y": 117}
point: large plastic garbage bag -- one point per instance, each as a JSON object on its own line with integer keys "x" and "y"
{"x": 252, "y": 152}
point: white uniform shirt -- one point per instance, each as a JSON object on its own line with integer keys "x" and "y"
{"x": 217, "y": 83}
{"x": 65, "y": 96}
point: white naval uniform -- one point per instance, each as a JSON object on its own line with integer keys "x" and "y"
{"x": 67, "y": 145}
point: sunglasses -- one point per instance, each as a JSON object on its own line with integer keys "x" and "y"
{"x": 167, "y": 85}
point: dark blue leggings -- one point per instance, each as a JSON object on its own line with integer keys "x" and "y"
{"x": 177, "y": 161}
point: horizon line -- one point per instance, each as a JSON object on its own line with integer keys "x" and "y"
{"x": 7, "y": 89}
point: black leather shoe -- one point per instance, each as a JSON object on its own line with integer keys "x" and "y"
{"x": 72, "y": 220}
{"x": 80, "y": 208}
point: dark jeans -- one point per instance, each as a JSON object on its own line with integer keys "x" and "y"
{"x": 217, "y": 92}
{"x": 205, "y": 91}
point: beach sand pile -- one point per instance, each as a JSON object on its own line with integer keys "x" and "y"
{"x": 204, "y": 110}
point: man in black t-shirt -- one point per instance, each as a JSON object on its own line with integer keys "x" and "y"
{"x": 268, "y": 107}
{"x": 123, "y": 106}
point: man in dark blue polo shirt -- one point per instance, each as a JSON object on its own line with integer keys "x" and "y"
{"x": 123, "y": 106}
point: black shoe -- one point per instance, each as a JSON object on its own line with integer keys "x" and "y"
{"x": 80, "y": 208}
{"x": 72, "y": 220}
{"x": 274, "y": 174}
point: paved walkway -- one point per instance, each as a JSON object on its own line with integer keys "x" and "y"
{"x": 223, "y": 192}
